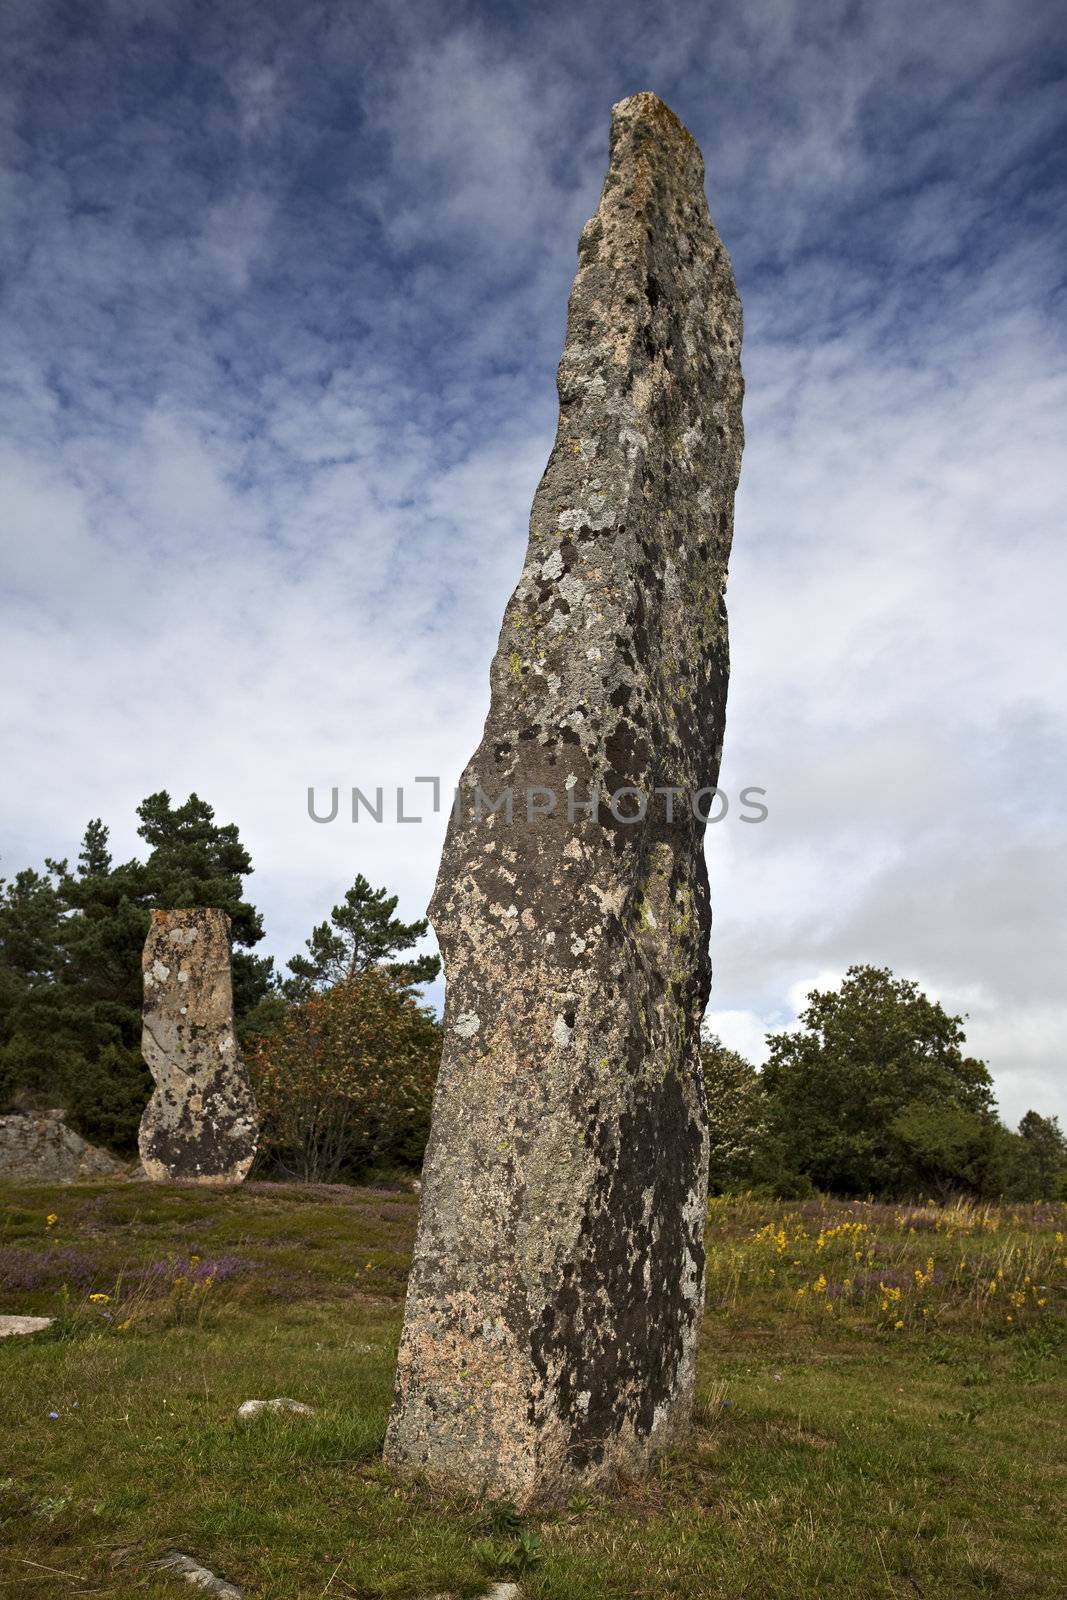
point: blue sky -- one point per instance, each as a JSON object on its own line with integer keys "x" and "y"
{"x": 283, "y": 297}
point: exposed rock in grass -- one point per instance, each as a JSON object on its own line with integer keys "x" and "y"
{"x": 255, "y": 1408}
{"x": 9, "y": 1326}
{"x": 197, "y": 1574}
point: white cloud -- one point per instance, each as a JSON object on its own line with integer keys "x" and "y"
{"x": 742, "y": 1031}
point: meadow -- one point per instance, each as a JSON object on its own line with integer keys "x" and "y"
{"x": 880, "y": 1409}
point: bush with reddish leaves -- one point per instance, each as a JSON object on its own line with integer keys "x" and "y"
{"x": 346, "y": 1081}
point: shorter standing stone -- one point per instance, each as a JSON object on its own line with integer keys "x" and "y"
{"x": 200, "y": 1124}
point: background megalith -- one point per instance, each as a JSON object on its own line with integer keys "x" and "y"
{"x": 200, "y": 1123}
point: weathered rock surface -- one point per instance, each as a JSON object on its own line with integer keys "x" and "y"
{"x": 38, "y": 1147}
{"x": 201, "y": 1122}
{"x": 10, "y": 1326}
{"x": 194, "y": 1572}
{"x": 254, "y": 1408}
{"x": 551, "y": 1320}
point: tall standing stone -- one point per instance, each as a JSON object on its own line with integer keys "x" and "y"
{"x": 552, "y": 1313}
{"x": 201, "y": 1122}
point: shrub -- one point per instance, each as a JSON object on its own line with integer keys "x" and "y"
{"x": 347, "y": 1079}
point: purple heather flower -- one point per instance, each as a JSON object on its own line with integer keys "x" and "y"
{"x": 54, "y": 1415}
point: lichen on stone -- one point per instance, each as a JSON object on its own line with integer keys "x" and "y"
{"x": 565, "y": 1180}
{"x": 200, "y": 1124}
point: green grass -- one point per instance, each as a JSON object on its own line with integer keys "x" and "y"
{"x": 891, "y": 1446}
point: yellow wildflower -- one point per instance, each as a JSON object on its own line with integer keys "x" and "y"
{"x": 100, "y": 1299}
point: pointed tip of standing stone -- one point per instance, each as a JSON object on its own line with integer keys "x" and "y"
{"x": 646, "y": 103}
{"x": 645, "y": 117}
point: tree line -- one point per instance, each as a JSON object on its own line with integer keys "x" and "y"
{"x": 872, "y": 1094}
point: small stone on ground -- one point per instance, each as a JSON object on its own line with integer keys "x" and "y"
{"x": 13, "y": 1325}
{"x": 252, "y": 1408}
{"x": 198, "y": 1575}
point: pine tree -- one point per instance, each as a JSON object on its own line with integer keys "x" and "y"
{"x": 361, "y": 933}
{"x": 32, "y": 1058}
{"x": 196, "y": 861}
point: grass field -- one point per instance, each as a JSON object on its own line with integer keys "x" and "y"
{"x": 880, "y": 1411}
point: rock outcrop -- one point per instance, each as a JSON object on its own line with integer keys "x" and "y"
{"x": 200, "y": 1124}
{"x": 551, "y": 1320}
{"x": 38, "y": 1147}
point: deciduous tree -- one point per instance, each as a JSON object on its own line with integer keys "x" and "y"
{"x": 867, "y": 1055}
{"x": 347, "y": 1079}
